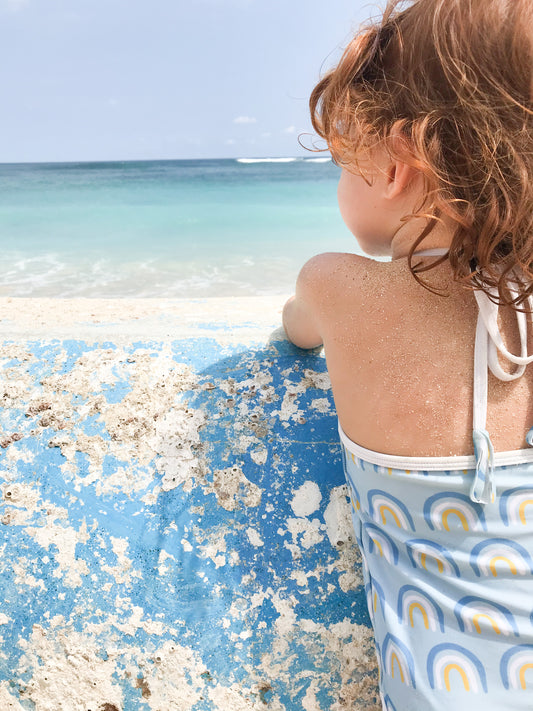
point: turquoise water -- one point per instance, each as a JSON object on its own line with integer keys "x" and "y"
{"x": 165, "y": 228}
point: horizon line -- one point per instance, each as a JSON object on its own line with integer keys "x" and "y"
{"x": 321, "y": 154}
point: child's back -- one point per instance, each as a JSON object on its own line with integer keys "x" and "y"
{"x": 430, "y": 115}
{"x": 401, "y": 359}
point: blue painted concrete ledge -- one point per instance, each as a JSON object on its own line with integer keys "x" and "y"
{"x": 175, "y": 533}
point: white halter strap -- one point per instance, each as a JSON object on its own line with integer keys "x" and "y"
{"x": 487, "y": 344}
{"x": 435, "y": 252}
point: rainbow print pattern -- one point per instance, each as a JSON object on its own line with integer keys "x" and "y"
{"x": 499, "y": 556}
{"x": 385, "y": 508}
{"x": 381, "y": 542}
{"x": 475, "y": 614}
{"x": 449, "y": 586}
{"x": 371, "y": 601}
{"x": 355, "y": 499}
{"x": 387, "y": 704}
{"x": 516, "y": 667}
{"x": 414, "y": 603}
{"x": 516, "y": 504}
{"x": 453, "y": 664}
{"x": 422, "y": 551}
{"x": 398, "y": 660}
{"x": 442, "y": 509}
{"x": 377, "y": 596}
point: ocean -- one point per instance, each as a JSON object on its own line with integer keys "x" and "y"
{"x": 187, "y": 228}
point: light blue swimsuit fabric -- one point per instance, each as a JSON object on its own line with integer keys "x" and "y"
{"x": 447, "y": 549}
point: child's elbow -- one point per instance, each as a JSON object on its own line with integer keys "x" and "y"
{"x": 299, "y": 325}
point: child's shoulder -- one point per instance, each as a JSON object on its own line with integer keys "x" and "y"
{"x": 339, "y": 274}
{"x": 347, "y": 291}
{"x": 333, "y": 267}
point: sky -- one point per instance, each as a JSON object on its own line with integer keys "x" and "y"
{"x": 85, "y": 80}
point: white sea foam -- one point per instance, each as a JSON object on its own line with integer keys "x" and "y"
{"x": 267, "y": 160}
{"x": 236, "y": 275}
{"x": 318, "y": 160}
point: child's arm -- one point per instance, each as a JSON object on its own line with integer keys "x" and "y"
{"x": 300, "y": 311}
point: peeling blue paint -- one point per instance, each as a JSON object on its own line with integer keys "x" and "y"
{"x": 212, "y": 569}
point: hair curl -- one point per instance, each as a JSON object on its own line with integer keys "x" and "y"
{"x": 455, "y": 79}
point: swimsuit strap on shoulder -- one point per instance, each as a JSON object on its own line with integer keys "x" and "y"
{"x": 488, "y": 342}
{"x": 488, "y": 312}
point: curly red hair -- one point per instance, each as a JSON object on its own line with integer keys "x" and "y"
{"x": 454, "y": 78}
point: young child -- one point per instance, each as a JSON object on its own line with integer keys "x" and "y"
{"x": 430, "y": 116}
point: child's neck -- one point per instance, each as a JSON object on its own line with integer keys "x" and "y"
{"x": 439, "y": 237}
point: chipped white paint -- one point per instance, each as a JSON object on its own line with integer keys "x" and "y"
{"x": 259, "y": 456}
{"x": 338, "y": 517}
{"x": 348, "y": 643}
{"x": 306, "y": 499}
{"x": 312, "y": 379}
{"x": 310, "y": 701}
{"x": 233, "y": 489}
{"x": 61, "y": 541}
{"x": 290, "y": 404}
{"x": 321, "y": 404}
{"x": 22, "y": 575}
{"x": 55, "y": 658}
{"x": 286, "y": 616}
{"x": 216, "y": 546}
{"x": 254, "y": 538}
{"x": 146, "y": 422}
{"x": 8, "y": 702}
{"x": 122, "y": 571}
{"x": 306, "y": 533}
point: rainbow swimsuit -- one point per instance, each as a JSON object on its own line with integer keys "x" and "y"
{"x": 447, "y": 549}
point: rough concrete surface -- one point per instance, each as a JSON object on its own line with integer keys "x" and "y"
{"x": 175, "y": 531}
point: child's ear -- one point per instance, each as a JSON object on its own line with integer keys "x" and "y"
{"x": 400, "y": 172}
{"x": 400, "y": 177}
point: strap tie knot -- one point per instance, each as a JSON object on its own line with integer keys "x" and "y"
{"x": 483, "y": 490}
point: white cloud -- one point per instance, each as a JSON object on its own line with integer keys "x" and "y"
{"x": 244, "y": 119}
{"x": 230, "y": 141}
{"x": 290, "y": 129}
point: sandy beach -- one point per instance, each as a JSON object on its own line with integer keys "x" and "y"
{"x": 227, "y": 319}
